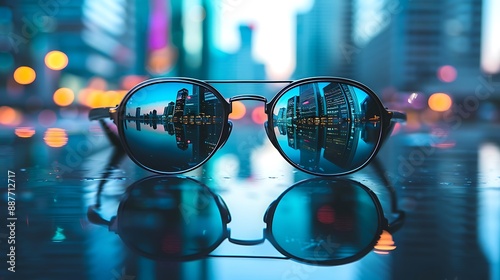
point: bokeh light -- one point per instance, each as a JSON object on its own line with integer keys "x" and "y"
{"x": 63, "y": 97}
{"x": 440, "y": 102}
{"x": 55, "y": 137}
{"x": 56, "y": 60}
{"x": 24, "y": 75}
{"x": 258, "y": 115}
{"x": 24, "y": 132}
{"x": 97, "y": 83}
{"x": 447, "y": 73}
{"x": 9, "y": 116}
{"x": 131, "y": 81}
{"x": 385, "y": 244}
{"x": 161, "y": 60}
{"x": 238, "y": 111}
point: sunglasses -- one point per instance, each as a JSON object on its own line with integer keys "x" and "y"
{"x": 316, "y": 221}
{"x": 323, "y": 126}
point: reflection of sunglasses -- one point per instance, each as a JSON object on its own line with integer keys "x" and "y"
{"x": 317, "y": 221}
{"x": 322, "y": 126}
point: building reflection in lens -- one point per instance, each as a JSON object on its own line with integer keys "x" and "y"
{"x": 327, "y": 127}
{"x": 172, "y": 126}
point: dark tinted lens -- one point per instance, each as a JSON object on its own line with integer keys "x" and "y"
{"x": 327, "y": 127}
{"x": 171, "y": 218}
{"x": 323, "y": 221}
{"x": 172, "y": 126}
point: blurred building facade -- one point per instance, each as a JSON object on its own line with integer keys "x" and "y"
{"x": 420, "y": 37}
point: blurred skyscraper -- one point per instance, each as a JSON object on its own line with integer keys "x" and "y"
{"x": 100, "y": 38}
{"x": 415, "y": 39}
{"x": 324, "y": 40}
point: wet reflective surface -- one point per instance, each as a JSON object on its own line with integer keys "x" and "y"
{"x": 445, "y": 180}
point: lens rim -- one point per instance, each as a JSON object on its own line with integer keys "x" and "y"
{"x": 226, "y": 107}
{"x": 223, "y": 210}
{"x": 269, "y": 217}
{"x": 384, "y": 120}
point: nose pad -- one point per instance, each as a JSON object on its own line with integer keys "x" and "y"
{"x": 227, "y": 133}
{"x": 271, "y": 207}
{"x": 271, "y": 137}
{"x": 226, "y": 216}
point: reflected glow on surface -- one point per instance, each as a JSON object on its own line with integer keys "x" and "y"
{"x": 488, "y": 228}
{"x": 56, "y": 60}
{"x": 24, "y": 75}
{"x": 55, "y": 137}
{"x": 10, "y": 116}
{"x": 63, "y": 97}
{"x": 440, "y": 102}
{"x": 385, "y": 243}
{"x": 239, "y": 110}
{"x": 24, "y": 132}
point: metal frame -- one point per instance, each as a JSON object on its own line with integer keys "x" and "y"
{"x": 116, "y": 114}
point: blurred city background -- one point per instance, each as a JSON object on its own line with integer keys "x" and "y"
{"x": 429, "y": 58}
{"x": 438, "y": 61}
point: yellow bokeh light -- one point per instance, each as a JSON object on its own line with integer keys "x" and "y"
{"x": 55, "y": 137}
{"x": 56, "y": 60}
{"x": 238, "y": 111}
{"x": 63, "y": 97}
{"x": 24, "y": 75}
{"x": 440, "y": 102}
{"x": 9, "y": 116}
{"x": 24, "y": 132}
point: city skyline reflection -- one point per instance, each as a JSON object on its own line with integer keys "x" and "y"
{"x": 183, "y": 135}
{"x": 327, "y": 126}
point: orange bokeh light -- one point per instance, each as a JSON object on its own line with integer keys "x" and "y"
{"x": 63, "y": 97}
{"x": 56, "y": 60}
{"x": 55, "y": 137}
{"x": 258, "y": 115}
{"x": 440, "y": 102}
{"x": 24, "y": 75}
{"x": 24, "y": 132}
{"x": 239, "y": 110}
{"x": 9, "y": 116}
{"x": 385, "y": 243}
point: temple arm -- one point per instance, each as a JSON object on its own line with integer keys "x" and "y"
{"x": 102, "y": 113}
{"x": 397, "y": 116}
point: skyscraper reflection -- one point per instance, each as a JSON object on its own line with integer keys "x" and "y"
{"x": 191, "y": 123}
{"x": 327, "y": 121}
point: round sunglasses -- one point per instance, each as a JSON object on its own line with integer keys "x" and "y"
{"x": 316, "y": 221}
{"x": 324, "y": 126}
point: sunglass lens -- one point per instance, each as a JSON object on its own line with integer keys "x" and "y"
{"x": 171, "y": 219}
{"x": 172, "y": 127}
{"x": 325, "y": 222}
{"x": 327, "y": 128}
